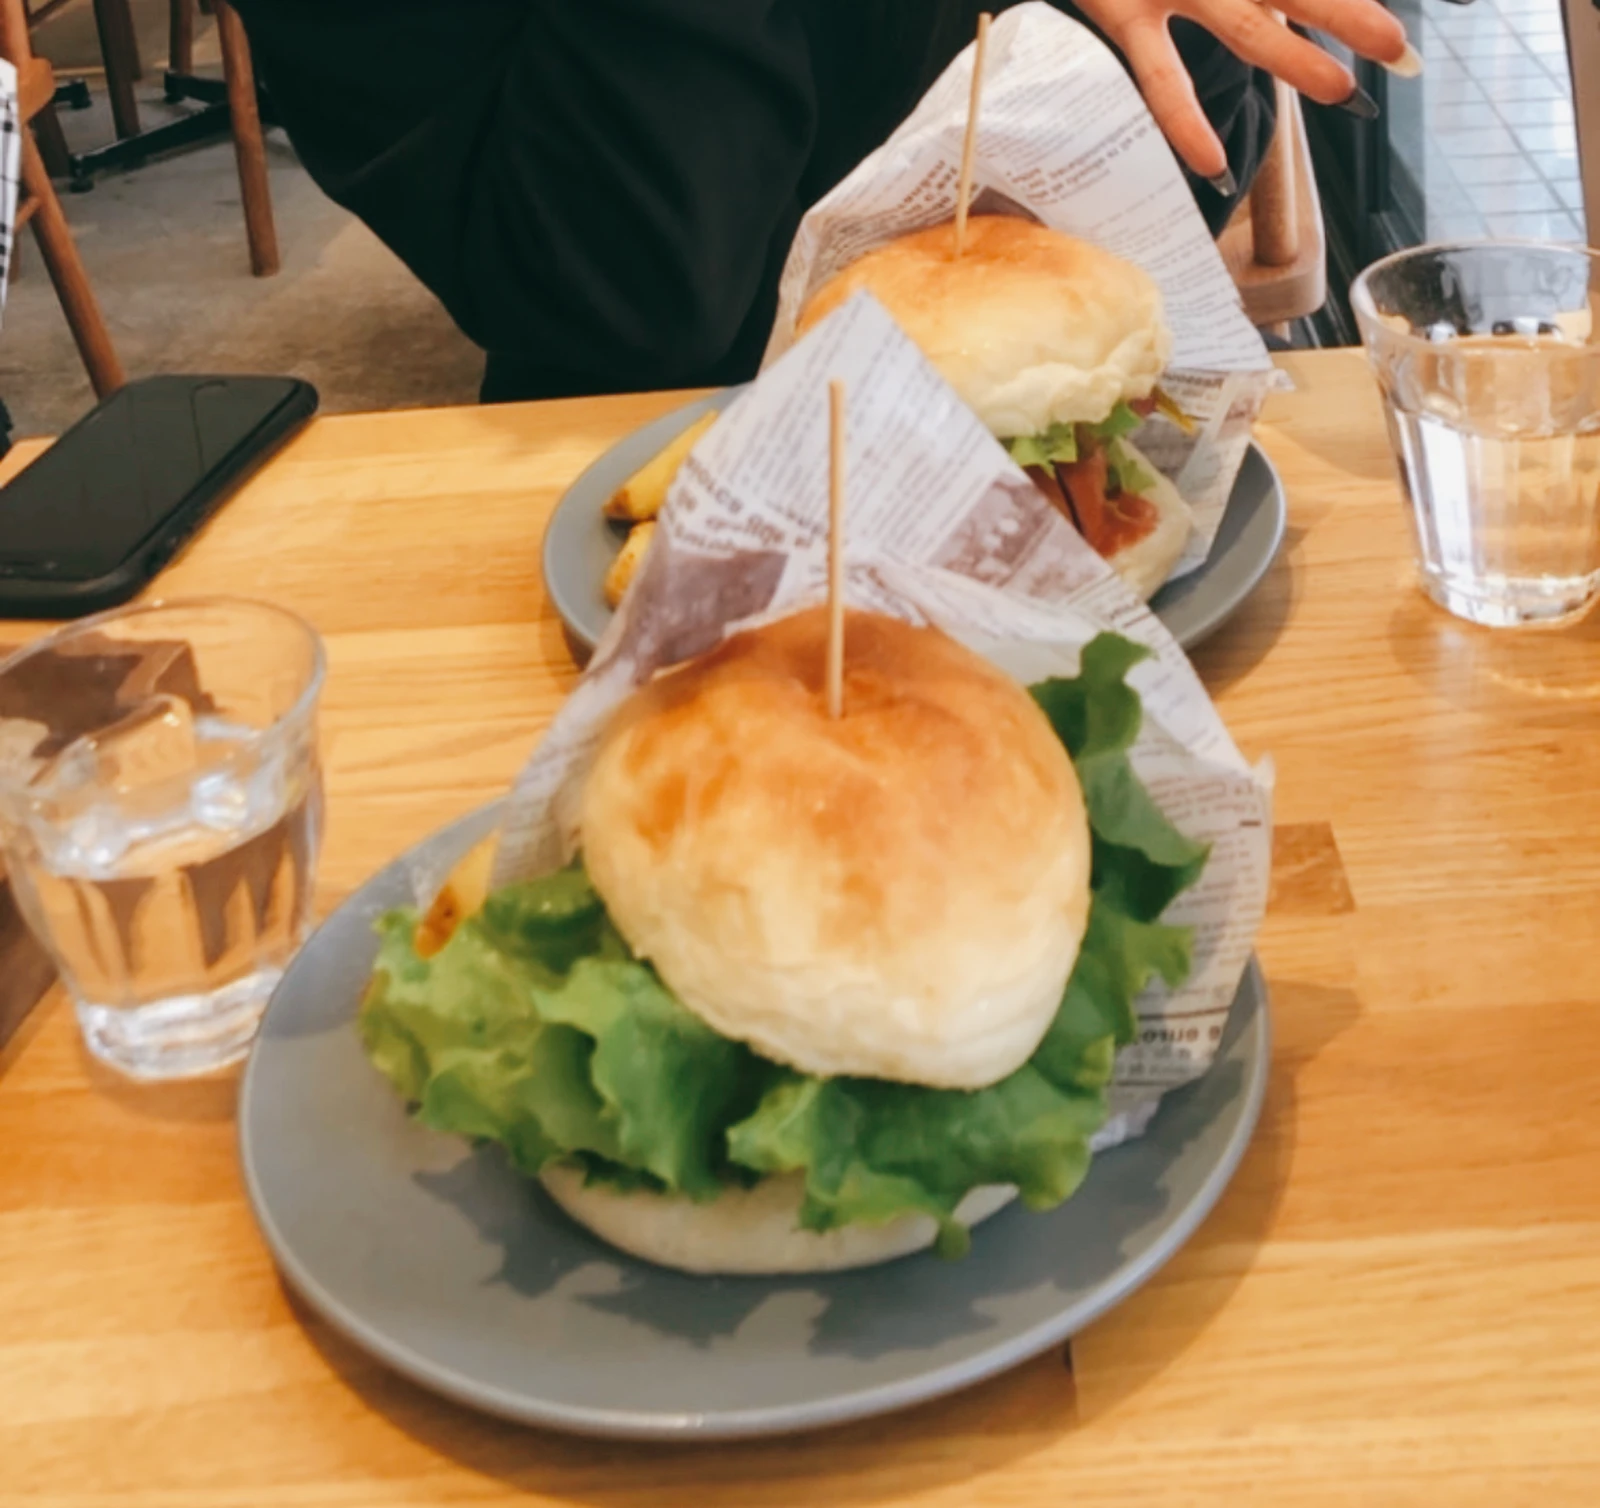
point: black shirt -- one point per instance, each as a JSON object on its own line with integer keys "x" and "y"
{"x": 602, "y": 192}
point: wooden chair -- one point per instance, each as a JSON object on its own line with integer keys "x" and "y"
{"x": 120, "y": 50}
{"x": 1581, "y": 21}
{"x": 119, "y": 45}
{"x": 1275, "y": 245}
{"x": 37, "y": 203}
{"x": 249, "y": 144}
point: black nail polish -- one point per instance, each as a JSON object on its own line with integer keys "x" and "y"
{"x": 1360, "y": 104}
{"x": 1225, "y": 183}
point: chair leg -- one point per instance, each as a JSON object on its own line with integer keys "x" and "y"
{"x": 249, "y": 147}
{"x": 66, "y": 271}
{"x": 180, "y": 51}
{"x": 119, "y": 46}
{"x": 53, "y": 143}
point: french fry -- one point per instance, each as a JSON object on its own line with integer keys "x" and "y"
{"x": 642, "y": 496}
{"x": 1166, "y": 405}
{"x": 627, "y": 561}
{"x": 464, "y": 891}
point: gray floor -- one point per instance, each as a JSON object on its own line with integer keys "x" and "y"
{"x": 165, "y": 249}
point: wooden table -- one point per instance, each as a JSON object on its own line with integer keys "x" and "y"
{"x": 1397, "y": 1301}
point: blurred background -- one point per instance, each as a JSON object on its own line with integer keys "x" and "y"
{"x": 1482, "y": 144}
{"x": 164, "y": 247}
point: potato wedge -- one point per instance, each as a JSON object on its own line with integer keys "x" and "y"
{"x": 464, "y": 891}
{"x": 641, "y": 497}
{"x": 627, "y": 561}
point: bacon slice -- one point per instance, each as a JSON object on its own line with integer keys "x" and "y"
{"x": 1081, "y": 490}
{"x": 1108, "y": 523}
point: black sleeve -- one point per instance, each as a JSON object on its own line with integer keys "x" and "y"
{"x": 602, "y": 199}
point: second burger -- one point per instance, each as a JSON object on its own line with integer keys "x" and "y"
{"x": 1058, "y": 346}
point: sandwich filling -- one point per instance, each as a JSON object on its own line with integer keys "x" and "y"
{"x": 1093, "y": 477}
{"x": 536, "y": 1027}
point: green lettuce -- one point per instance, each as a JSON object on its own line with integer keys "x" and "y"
{"x": 1060, "y": 441}
{"x": 1122, "y": 420}
{"x": 1130, "y": 474}
{"x": 536, "y": 1028}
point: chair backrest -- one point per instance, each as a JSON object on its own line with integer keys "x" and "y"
{"x": 36, "y": 79}
{"x": 1275, "y": 245}
{"x": 1583, "y": 59}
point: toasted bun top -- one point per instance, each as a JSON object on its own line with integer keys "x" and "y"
{"x": 1030, "y": 326}
{"x": 898, "y": 893}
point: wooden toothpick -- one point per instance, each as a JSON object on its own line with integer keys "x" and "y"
{"x": 836, "y": 548}
{"x": 970, "y": 141}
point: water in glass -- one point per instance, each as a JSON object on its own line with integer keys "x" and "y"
{"x": 1490, "y": 386}
{"x": 165, "y": 857}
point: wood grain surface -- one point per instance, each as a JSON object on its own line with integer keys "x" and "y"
{"x": 1397, "y": 1301}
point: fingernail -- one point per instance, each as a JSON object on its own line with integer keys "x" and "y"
{"x": 1360, "y": 104}
{"x": 1408, "y": 65}
{"x": 1225, "y": 183}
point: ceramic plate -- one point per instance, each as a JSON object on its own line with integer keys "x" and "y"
{"x": 580, "y": 544}
{"x": 443, "y": 1263}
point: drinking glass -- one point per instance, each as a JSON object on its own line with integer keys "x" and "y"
{"x": 1488, "y": 358}
{"x": 161, "y": 813}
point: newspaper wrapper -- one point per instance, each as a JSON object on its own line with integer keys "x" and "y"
{"x": 1065, "y": 139}
{"x": 941, "y": 528}
{"x": 10, "y": 171}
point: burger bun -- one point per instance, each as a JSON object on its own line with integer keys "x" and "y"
{"x": 746, "y": 1231}
{"x": 897, "y": 893}
{"x": 1030, "y": 326}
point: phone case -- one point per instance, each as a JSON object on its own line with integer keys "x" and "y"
{"x": 22, "y": 597}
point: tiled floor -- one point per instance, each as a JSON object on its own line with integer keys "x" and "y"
{"x": 1500, "y": 154}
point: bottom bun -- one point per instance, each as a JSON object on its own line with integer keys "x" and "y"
{"x": 1146, "y": 564}
{"x": 747, "y": 1231}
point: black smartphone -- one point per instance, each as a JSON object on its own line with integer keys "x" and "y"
{"x": 91, "y": 522}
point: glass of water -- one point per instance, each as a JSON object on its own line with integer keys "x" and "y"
{"x": 161, "y": 813}
{"x": 1488, "y": 357}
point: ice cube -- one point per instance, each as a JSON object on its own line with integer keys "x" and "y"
{"x": 221, "y": 802}
{"x": 19, "y": 737}
{"x": 147, "y": 747}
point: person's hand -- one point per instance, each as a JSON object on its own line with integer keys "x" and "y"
{"x": 1139, "y": 29}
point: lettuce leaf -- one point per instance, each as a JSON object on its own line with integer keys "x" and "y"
{"x": 872, "y": 1150}
{"x": 534, "y": 1027}
{"x": 1141, "y": 861}
{"x": 1130, "y": 473}
{"x": 1058, "y": 443}
{"x": 1122, "y": 420}
{"x": 511, "y": 1033}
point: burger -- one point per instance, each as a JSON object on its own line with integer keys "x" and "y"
{"x": 1058, "y": 346}
{"x": 815, "y": 991}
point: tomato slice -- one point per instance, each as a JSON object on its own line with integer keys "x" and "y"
{"x": 1108, "y": 524}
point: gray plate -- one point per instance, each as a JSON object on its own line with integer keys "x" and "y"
{"x": 447, "y": 1266}
{"x": 579, "y": 544}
